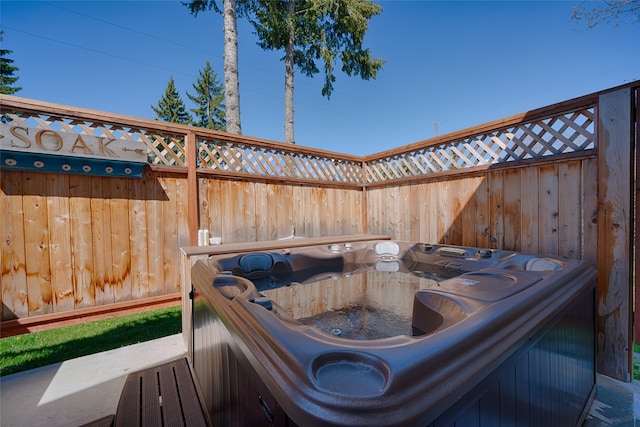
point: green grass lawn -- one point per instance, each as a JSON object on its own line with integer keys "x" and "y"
{"x": 29, "y": 351}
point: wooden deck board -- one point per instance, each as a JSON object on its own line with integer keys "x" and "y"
{"x": 128, "y": 413}
{"x": 171, "y": 409}
{"x": 150, "y": 398}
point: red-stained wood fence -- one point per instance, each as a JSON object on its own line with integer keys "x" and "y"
{"x": 557, "y": 180}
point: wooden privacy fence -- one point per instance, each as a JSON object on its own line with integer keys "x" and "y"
{"x": 555, "y": 180}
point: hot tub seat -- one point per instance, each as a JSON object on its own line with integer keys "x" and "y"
{"x": 433, "y": 312}
{"x": 269, "y": 270}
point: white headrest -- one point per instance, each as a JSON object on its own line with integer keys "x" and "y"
{"x": 387, "y": 248}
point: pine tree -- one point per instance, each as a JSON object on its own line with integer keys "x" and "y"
{"x": 171, "y": 107}
{"x": 209, "y": 99}
{"x": 316, "y": 35}
{"x": 7, "y": 77}
{"x": 231, "y": 10}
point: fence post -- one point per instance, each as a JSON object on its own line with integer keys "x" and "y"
{"x": 614, "y": 290}
{"x": 364, "y": 214}
{"x": 192, "y": 188}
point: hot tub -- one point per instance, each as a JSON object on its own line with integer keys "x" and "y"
{"x": 394, "y": 333}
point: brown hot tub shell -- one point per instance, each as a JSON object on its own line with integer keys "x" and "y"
{"x": 492, "y": 313}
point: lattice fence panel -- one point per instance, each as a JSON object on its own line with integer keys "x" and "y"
{"x": 566, "y": 133}
{"x": 275, "y": 162}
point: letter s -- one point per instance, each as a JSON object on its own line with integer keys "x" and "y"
{"x": 23, "y": 138}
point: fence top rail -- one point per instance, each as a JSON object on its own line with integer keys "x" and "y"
{"x": 9, "y": 103}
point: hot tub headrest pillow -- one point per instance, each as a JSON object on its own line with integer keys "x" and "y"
{"x": 256, "y": 262}
{"x": 387, "y": 248}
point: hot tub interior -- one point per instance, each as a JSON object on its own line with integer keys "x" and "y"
{"x": 375, "y": 292}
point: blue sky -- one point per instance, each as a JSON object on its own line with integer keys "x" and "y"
{"x": 456, "y": 63}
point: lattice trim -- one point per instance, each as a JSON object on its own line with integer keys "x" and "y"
{"x": 249, "y": 159}
{"x": 567, "y": 133}
{"x": 564, "y": 133}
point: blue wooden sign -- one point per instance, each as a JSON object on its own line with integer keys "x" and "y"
{"x": 44, "y": 150}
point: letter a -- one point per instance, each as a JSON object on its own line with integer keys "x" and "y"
{"x": 79, "y": 143}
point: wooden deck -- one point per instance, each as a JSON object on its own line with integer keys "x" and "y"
{"x": 161, "y": 396}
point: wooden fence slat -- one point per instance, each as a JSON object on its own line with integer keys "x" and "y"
{"x": 266, "y": 225}
{"x": 216, "y": 211}
{"x": 414, "y": 207}
{"x": 101, "y": 232}
{"x": 589, "y": 223}
{"x": 248, "y": 207}
{"x": 309, "y": 211}
{"x": 433, "y": 235}
{"x": 12, "y": 259}
{"x": 36, "y": 243}
{"x": 227, "y": 216}
{"x": 570, "y": 207}
{"x": 456, "y": 198}
{"x": 467, "y": 198}
{"x": 342, "y": 213}
{"x": 346, "y": 214}
{"x": 318, "y": 205}
{"x": 60, "y": 242}
{"x": 206, "y": 205}
{"x": 287, "y": 200}
{"x": 120, "y": 237}
{"x": 548, "y": 226}
{"x": 529, "y": 210}
{"x": 138, "y": 221}
{"x": 330, "y": 219}
{"x": 382, "y": 214}
{"x": 155, "y": 222}
{"x": 81, "y": 241}
{"x": 184, "y": 237}
{"x": 394, "y": 210}
{"x": 482, "y": 219}
{"x": 496, "y": 210}
{"x": 170, "y": 238}
{"x": 512, "y": 210}
{"x": 419, "y": 197}
{"x": 403, "y": 213}
{"x": 443, "y": 209}
{"x": 373, "y": 208}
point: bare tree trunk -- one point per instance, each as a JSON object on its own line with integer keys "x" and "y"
{"x": 231, "y": 84}
{"x": 288, "y": 78}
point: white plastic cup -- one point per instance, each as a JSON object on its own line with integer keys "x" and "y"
{"x": 203, "y": 237}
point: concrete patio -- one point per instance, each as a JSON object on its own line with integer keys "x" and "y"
{"x": 81, "y": 390}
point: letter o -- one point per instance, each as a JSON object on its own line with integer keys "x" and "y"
{"x": 41, "y": 143}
